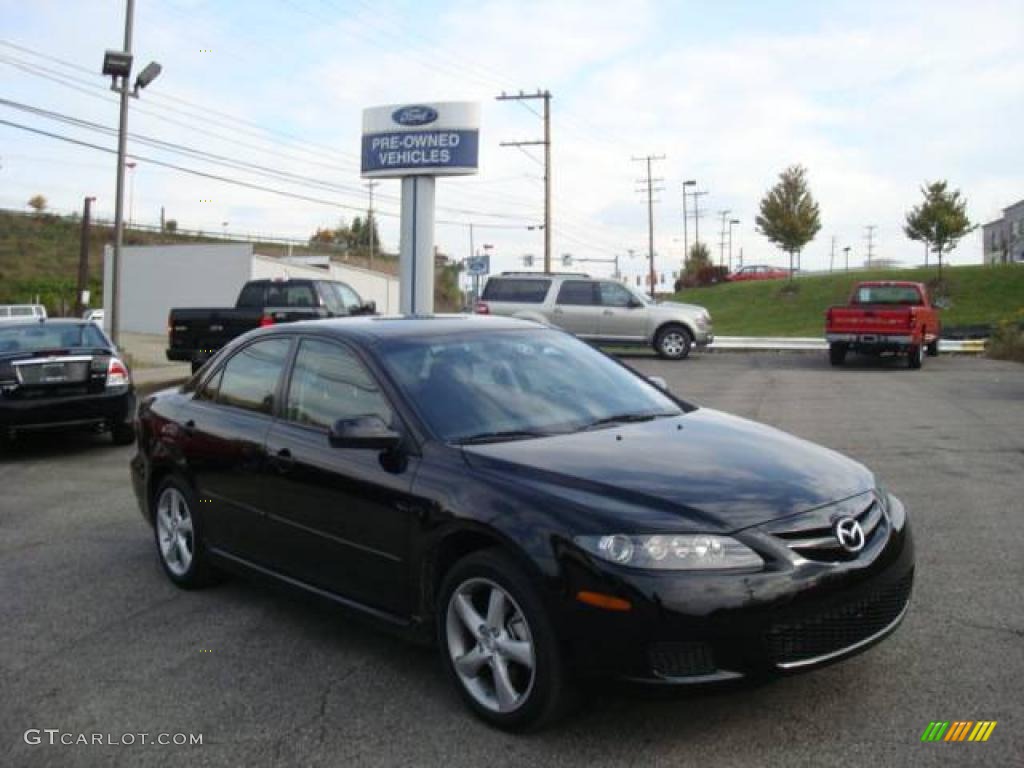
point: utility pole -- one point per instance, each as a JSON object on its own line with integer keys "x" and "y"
{"x": 686, "y": 237}
{"x": 846, "y": 252}
{"x": 832, "y": 254}
{"x": 81, "y": 302}
{"x": 546, "y": 143}
{"x": 696, "y": 214}
{"x": 370, "y": 218}
{"x": 870, "y": 237}
{"x": 650, "y": 190}
{"x": 721, "y": 239}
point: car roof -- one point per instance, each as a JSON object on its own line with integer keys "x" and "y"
{"x": 37, "y": 321}
{"x": 378, "y": 327}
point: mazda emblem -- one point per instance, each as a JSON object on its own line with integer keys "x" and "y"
{"x": 850, "y": 534}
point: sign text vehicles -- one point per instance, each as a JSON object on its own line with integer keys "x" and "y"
{"x": 436, "y": 139}
{"x": 430, "y": 152}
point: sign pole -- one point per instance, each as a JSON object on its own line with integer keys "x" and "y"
{"x": 416, "y": 250}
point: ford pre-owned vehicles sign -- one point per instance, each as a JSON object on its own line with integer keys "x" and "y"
{"x": 414, "y": 115}
{"x": 438, "y": 139}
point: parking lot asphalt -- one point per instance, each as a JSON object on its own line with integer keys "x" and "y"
{"x": 94, "y": 638}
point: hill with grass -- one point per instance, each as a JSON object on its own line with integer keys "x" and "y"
{"x": 39, "y": 256}
{"x": 977, "y": 295}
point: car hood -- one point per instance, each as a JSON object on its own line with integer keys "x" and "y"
{"x": 704, "y": 470}
{"x": 677, "y": 306}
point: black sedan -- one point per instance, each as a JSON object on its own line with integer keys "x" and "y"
{"x": 63, "y": 373}
{"x": 539, "y": 509}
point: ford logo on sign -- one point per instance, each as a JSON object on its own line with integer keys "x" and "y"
{"x": 416, "y": 115}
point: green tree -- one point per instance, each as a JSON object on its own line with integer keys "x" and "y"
{"x": 698, "y": 258}
{"x": 37, "y": 203}
{"x": 940, "y": 221}
{"x": 789, "y": 216}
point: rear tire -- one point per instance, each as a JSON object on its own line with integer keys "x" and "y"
{"x": 915, "y": 356}
{"x": 837, "y": 353}
{"x": 498, "y": 645}
{"x": 178, "y": 532}
{"x": 933, "y": 348}
{"x": 673, "y": 342}
{"x": 122, "y": 434}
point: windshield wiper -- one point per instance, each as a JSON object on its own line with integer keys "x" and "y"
{"x": 623, "y": 418}
{"x": 501, "y": 436}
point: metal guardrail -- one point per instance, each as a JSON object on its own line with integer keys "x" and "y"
{"x": 813, "y": 344}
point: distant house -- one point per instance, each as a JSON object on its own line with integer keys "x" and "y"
{"x": 1004, "y": 237}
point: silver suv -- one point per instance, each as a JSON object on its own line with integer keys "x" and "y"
{"x": 599, "y": 310}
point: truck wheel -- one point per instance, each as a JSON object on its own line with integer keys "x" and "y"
{"x": 933, "y": 349}
{"x": 673, "y": 342}
{"x": 915, "y": 356}
{"x": 837, "y": 353}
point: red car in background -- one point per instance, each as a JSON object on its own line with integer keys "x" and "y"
{"x": 758, "y": 272}
{"x": 884, "y": 317}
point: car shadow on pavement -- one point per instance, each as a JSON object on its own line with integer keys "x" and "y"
{"x": 35, "y": 446}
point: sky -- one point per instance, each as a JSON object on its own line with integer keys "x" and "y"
{"x": 873, "y": 98}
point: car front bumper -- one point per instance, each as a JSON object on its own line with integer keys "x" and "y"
{"x": 701, "y": 627}
{"x": 114, "y": 407}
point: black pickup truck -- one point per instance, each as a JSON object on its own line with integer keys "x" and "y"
{"x": 193, "y": 335}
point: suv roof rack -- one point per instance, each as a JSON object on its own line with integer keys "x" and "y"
{"x": 544, "y": 274}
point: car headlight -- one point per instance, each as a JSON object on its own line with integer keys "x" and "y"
{"x": 671, "y": 552}
{"x": 892, "y": 507}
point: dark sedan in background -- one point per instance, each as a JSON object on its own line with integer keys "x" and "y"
{"x": 61, "y": 373}
{"x": 539, "y": 509}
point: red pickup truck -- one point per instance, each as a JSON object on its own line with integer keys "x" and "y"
{"x": 884, "y": 317}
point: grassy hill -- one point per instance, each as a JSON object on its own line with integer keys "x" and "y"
{"x": 978, "y": 295}
{"x": 39, "y": 256}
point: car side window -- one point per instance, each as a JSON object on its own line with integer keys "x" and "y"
{"x": 330, "y": 383}
{"x": 249, "y": 379}
{"x": 207, "y": 392}
{"x": 614, "y": 295}
{"x": 577, "y": 293}
{"x": 252, "y": 295}
{"x": 348, "y": 297}
{"x": 330, "y": 298}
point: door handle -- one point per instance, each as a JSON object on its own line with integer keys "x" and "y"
{"x": 189, "y": 428}
{"x": 283, "y": 460}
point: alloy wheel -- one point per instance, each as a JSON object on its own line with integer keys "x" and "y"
{"x": 673, "y": 344}
{"x": 175, "y": 532}
{"x": 490, "y": 645}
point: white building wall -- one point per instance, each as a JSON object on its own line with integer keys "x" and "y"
{"x": 371, "y": 286}
{"x": 155, "y": 278}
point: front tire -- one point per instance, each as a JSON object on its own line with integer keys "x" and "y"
{"x": 673, "y": 342}
{"x": 498, "y": 644}
{"x": 177, "y": 528}
{"x": 837, "y": 353}
{"x": 915, "y": 356}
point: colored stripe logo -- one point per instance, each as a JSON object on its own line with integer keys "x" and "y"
{"x": 958, "y": 730}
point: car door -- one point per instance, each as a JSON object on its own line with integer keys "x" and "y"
{"x": 341, "y": 517}
{"x": 623, "y": 317}
{"x": 576, "y": 308}
{"x": 222, "y": 433}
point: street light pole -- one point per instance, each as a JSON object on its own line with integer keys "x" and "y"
{"x": 732, "y": 222}
{"x": 122, "y": 147}
{"x": 686, "y": 234}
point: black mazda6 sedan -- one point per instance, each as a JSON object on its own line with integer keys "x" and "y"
{"x": 540, "y": 510}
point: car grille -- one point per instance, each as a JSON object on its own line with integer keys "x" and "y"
{"x": 681, "y": 659}
{"x": 816, "y": 539}
{"x": 838, "y": 628}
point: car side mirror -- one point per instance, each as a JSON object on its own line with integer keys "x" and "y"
{"x": 659, "y": 382}
{"x": 369, "y": 433}
{"x": 369, "y": 307}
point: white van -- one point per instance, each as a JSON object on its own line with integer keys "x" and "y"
{"x": 12, "y": 313}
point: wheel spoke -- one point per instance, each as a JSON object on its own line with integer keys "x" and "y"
{"x": 164, "y": 513}
{"x": 182, "y": 547}
{"x": 185, "y": 524}
{"x": 470, "y": 618}
{"x": 469, "y": 664}
{"x": 167, "y": 546}
{"x": 503, "y": 688}
{"x": 519, "y": 651}
{"x": 496, "y": 606}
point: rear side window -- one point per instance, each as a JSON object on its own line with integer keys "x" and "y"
{"x": 291, "y": 295}
{"x": 21, "y": 311}
{"x": 517, "y": 291}
{"x": 252, "y": 295}
{"x": 250, "y": 377}
{"x": 577, "y": 293}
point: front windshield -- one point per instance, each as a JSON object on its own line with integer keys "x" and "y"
{"x": 35, "y": 337}
{"x": 514, "y": 384}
